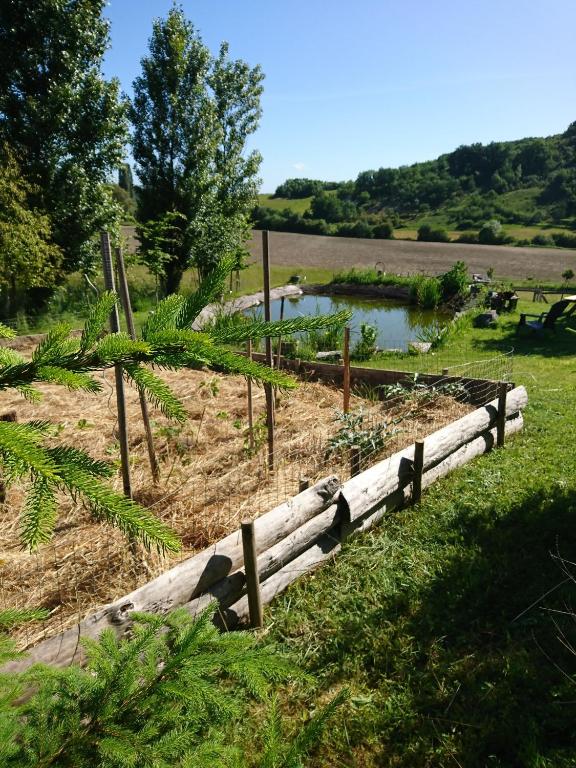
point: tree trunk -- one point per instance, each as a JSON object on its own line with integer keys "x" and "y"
{"x": 170, "y": 283}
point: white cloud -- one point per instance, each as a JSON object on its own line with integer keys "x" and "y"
{"x": 299, "y": 166}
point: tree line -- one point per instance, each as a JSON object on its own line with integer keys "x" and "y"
{"x": 468, "y": 186}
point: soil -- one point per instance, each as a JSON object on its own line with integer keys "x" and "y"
{"x": 410, "y": 257}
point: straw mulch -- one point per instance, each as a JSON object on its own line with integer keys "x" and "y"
{"x": 210, "y": 479}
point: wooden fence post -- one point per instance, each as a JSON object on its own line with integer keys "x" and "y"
{"x": 501, "y": 418}
{"x": 303, "y": 484}
{"x": 445, "y": 371}
{"x": 346, "y": 372}
{"x": 269, "y": 361}
{"x": 120, "y": 397}
{"x": 418, "y": 470}
{"x": 251, "y": 571}
{"x": 127, "y": 306}
{"x": 250, "y": 406}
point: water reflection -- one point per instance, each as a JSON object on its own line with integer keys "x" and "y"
{"x": 397, "y": 324}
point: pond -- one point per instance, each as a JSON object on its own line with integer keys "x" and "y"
{"x": 397, "y": 324}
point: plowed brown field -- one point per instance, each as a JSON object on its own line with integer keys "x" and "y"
{"x": 402, "y": 256}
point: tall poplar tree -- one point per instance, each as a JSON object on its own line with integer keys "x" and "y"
{"x": 61, "y": 118}
{"x": 192, "y": 115}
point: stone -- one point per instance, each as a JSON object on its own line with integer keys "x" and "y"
{"x": 333, "y": 354}
{"x": 420, "y": 346}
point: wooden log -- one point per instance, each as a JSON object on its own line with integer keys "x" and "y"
{"x": 401, "y": 496}
{"x": 324, "y": 549}
{"x": 297, "y": 542}
{"x": 372, "y": 486}
{"x": 188, "y": 580}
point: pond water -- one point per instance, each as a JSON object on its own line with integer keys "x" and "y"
{"x": 397, "y": 324}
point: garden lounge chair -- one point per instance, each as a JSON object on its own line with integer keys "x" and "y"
{"x": 547, "y": 320}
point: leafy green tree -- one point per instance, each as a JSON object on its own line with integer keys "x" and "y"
{"x": 28, "y": 258}
{"x": 192, "y": 115}
{"x": 63, "y": 120}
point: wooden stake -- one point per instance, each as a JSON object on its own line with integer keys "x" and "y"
{"x": 303, "y": 484}
{"x": 418, "y": 471}
{"x": 279, "y": 350}
{"x": 501, "y": 418}
{"x": 251, "y": 571}
{"x": 346, "y": 382}
{"x": 250, "y": 407}
{"x": 127, "y": 307}
{"x": 120, "y": 397}
{"x": 355, "y": 460}
{"x": 445, "y": 371}
{"x": 269, "y": 361}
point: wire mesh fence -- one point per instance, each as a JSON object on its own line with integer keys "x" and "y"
{"x": 213, "y": 475}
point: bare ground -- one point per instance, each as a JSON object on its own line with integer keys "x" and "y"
{"x": 210, "y": 480}
{"x": 407, "y": 257}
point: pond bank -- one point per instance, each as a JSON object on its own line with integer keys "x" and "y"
{"x": 400, "y": 292}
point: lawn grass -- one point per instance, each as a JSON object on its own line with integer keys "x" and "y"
{"x": 300, "y": 205}
{"x": 440, "y": 622}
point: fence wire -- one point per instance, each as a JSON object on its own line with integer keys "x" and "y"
{"x": 212, "y": 477}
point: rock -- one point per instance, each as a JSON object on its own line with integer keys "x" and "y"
{"x": 420, "y": 346}
{"x": 333, "y": 354}
{"x": 487, "y": 319}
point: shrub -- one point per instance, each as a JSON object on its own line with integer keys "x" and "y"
{"x": 431, "y": 234}
{"x": 428, "y": 292}
{"x": 468, "y": 237}
{"x": 383, "y": 231}
{"x": 564, "y": 240}
{"x": 366, "y": 345}
{"x": 492, "y": 233}
{"x": 455, "y": 282}
{"x": 543, "y": 241}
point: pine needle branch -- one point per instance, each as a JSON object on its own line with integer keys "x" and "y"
{"x": 260, "y": 330}
{"x": 207, "y": 291}
{"x": 157, "y": 391}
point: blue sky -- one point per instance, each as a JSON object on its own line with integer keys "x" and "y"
{"x": 357, "y": 85}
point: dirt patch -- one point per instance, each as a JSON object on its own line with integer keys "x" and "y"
{"x": 210, "y": 480}
{"x": 403, "y": 257}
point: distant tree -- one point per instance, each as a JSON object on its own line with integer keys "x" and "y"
{"x": 568, "y": 275}
{"x": 431, "y": 234}
{"x": 492, "y": 233}
{"x": 125, "y": 179}
{"x": 28, "y": 257}
{"x": 294, "y": 189}
{"x": 192, "y": 115}
{"x": 61, "y": 117}
{"x": 327, "y": 207}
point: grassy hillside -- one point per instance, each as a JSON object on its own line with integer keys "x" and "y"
{"x": 280, "y": 203}
{"x": 528, "y": 185}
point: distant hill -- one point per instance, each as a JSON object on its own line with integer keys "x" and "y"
{"x": 528, "y": 186}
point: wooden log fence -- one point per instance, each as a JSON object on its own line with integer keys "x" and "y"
{"x": 296, "y": 537}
